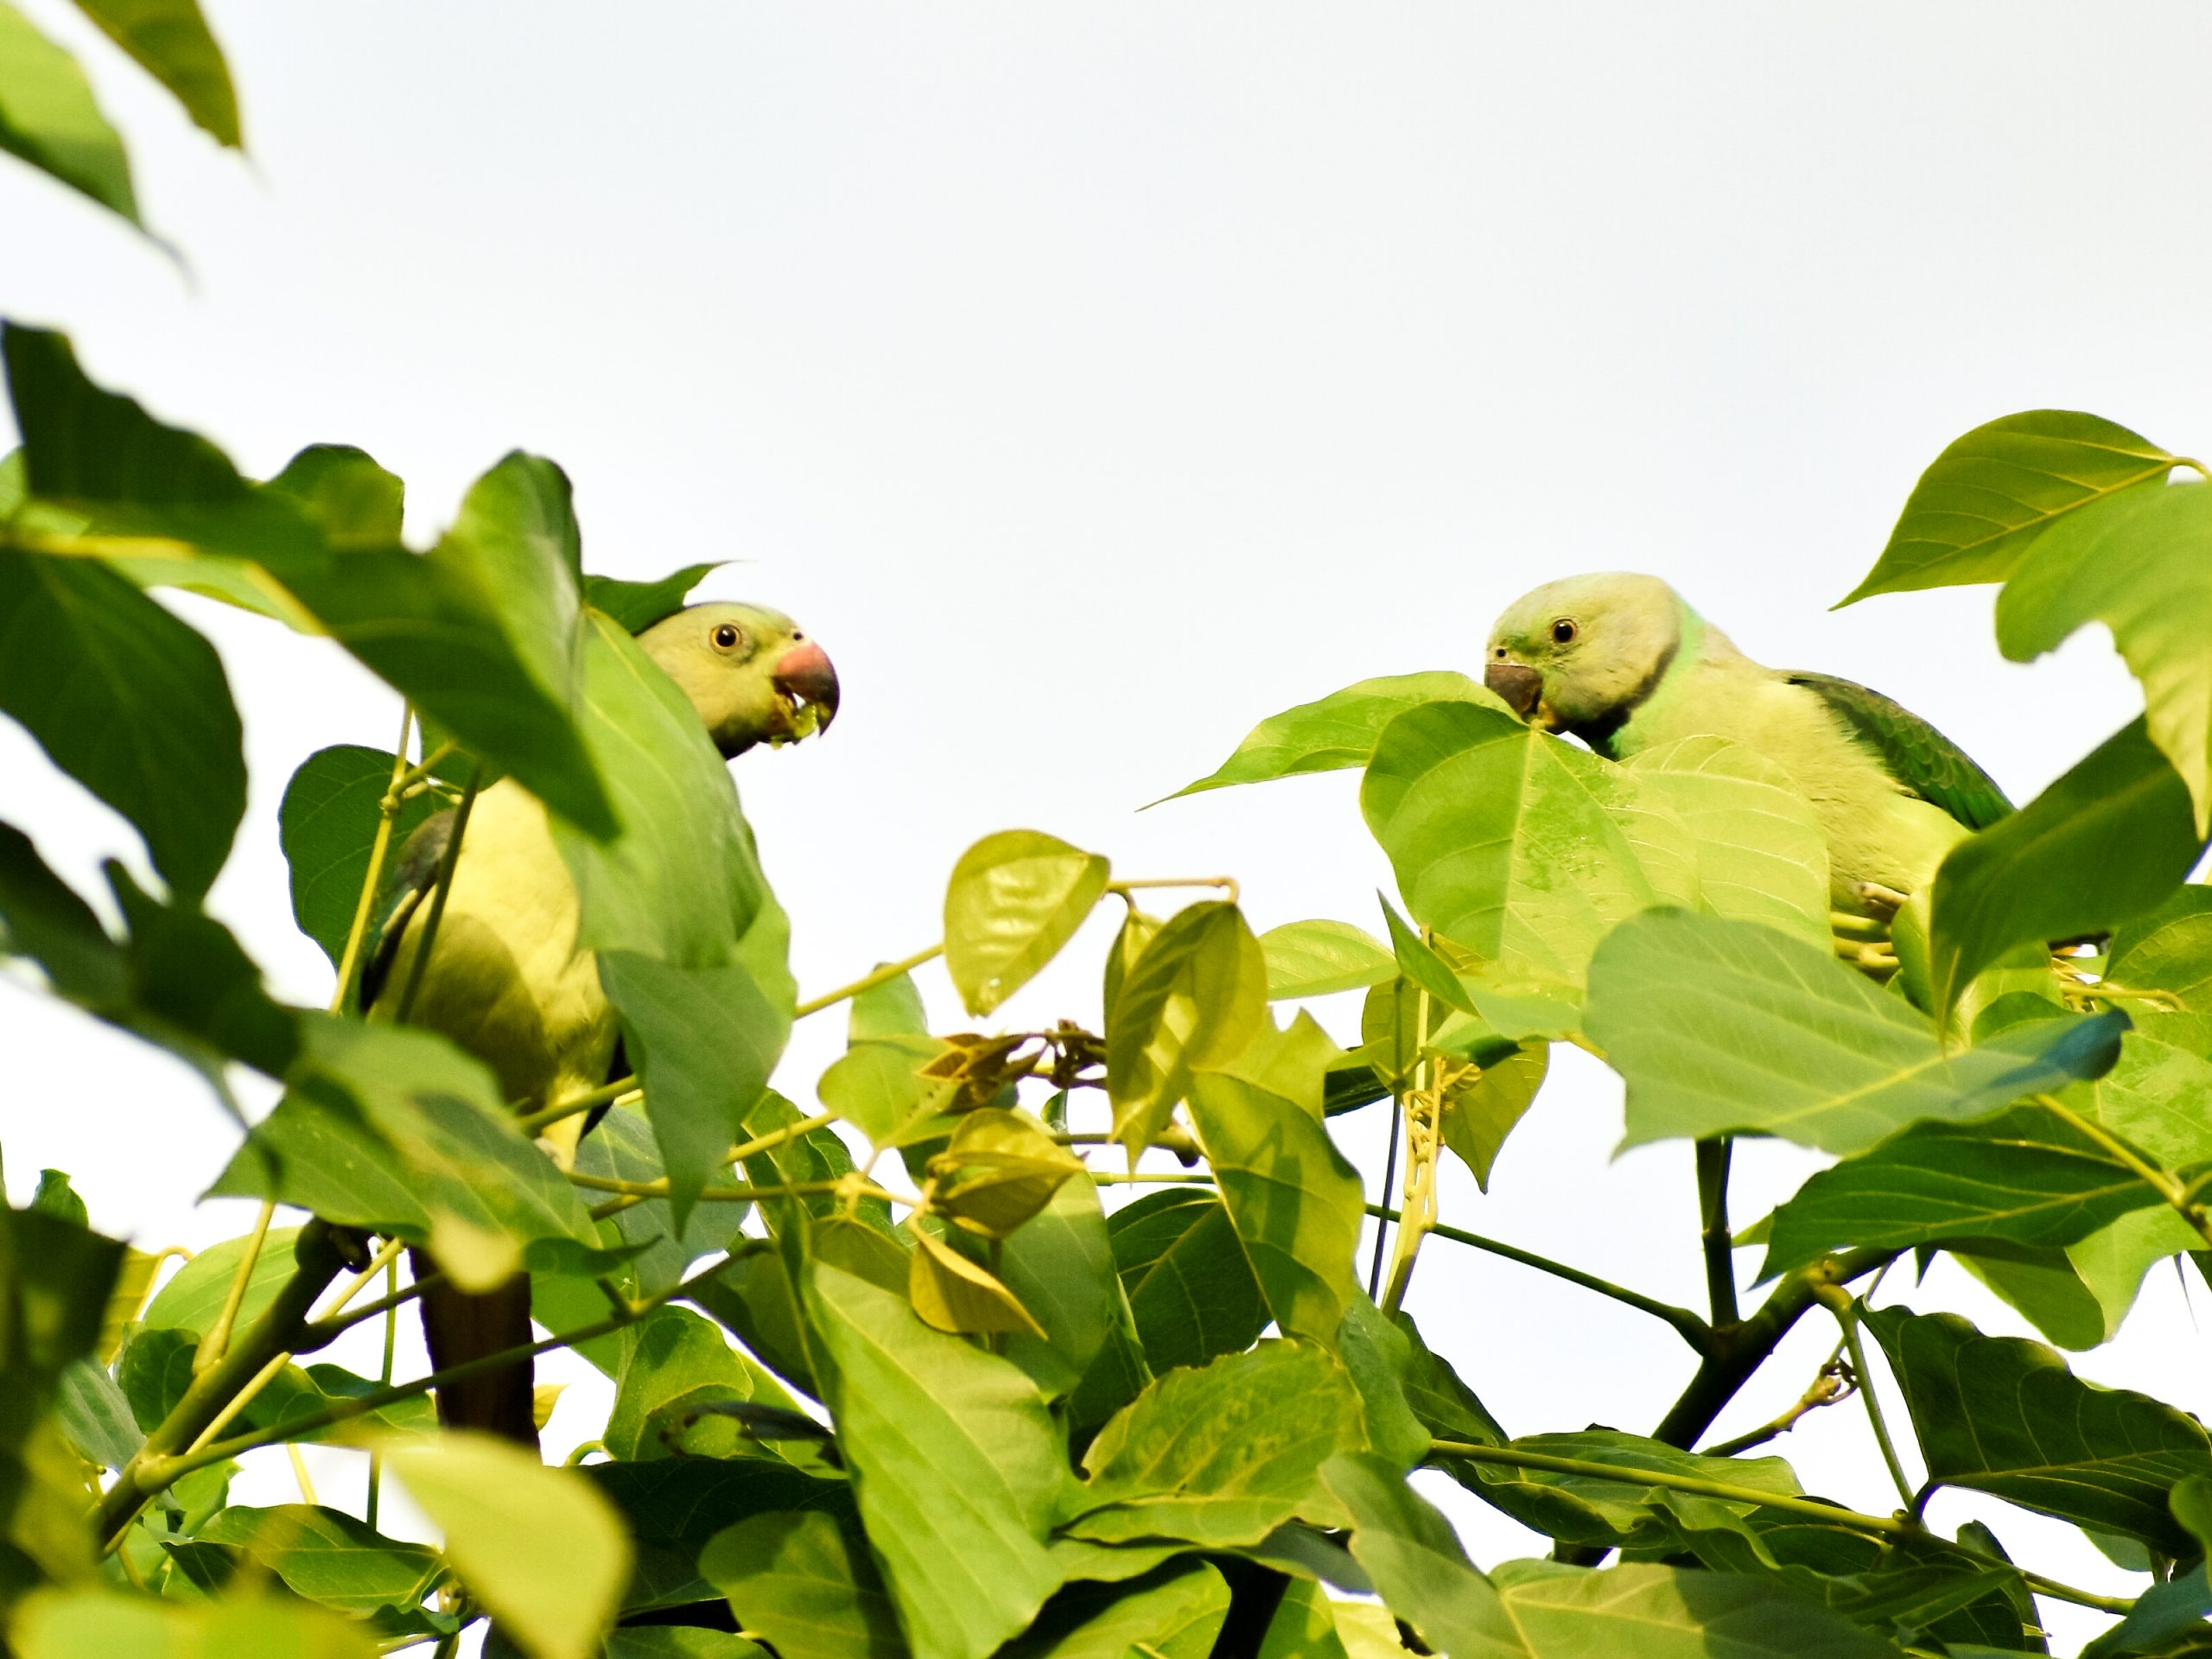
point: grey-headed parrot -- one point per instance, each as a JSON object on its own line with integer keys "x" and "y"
{"x": 505, "y": 979}
{"x": 1622, "y": 662}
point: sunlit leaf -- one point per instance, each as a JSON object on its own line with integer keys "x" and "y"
{"x": 1991, "y": 493}
{"x": 1060, "y": 1265}
{"x": 804, "y": 1581}
{"x": 2110, "y": 840}
{"x": 1479, "y": 1113}
{"x": 1665, "y": 1612}
{"x": 959, "y": 1467}
{"x": 2003, "y": 1416}
{"x": 48, "y": 118}
{"x": 129, "y": 700}
{"x": 1423, "y": 1576}
{"x": 1314, "y": 958}
{"x": 2025, "y": 1176}
{"x": 2141, "y": 563}
{"x": 169, "y": 40}
{"x": 396, "y": 1130}
{"x": 329, "y": 1556}
{"x": 1174, "y": 1613}
{"x": 677, "y": 1367}
{"x": 1221, "y": 1455}
{"x": 1723, "y": 1026}
{"x": 1514, "y": 844}
{"x": 950, "y": 1292}
{"x": 1294, "y": 1201}
{"x": 1338, "y": 731}
{"x": 1761, "y": 854}
{"x": 540, "y": 1547}
{"x": 328, "y": 823}
{"x": 1016, "y": 898}
{"x": 1195, "y": 997}
{"x": 638, "y": 605}
{"x": 103, "y": 1624}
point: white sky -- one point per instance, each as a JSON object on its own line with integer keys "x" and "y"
{"x": 1095, "y": 380}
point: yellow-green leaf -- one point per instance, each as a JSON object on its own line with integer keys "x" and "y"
{"x": 1016, "y": 898}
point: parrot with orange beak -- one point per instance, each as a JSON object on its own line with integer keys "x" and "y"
{"x": 505, "y": 979}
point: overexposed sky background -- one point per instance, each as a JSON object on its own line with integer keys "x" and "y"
{"x": 1094, "y": 380}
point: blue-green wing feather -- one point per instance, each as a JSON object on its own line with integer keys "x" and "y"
{"x": 1918, "y": 756}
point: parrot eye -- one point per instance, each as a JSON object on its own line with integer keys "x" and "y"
{"x": 1563, "y": 631}
{"x": 726, "y": 638}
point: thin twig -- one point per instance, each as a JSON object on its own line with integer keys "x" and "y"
{"x": 210, "y": 1351}
{"x": 349, "y": 958}
{"x": 868, "y": 981}
{"x": 1841, "y": 1303}
{"x": 2176, "y": 1195}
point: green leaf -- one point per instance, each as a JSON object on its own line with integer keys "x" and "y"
{"x": 2168, "y": 1619}
{"x": 1664, "y": 1612}
{"x": 327, "y": 824}
{"x": 1296, "y": 1203}
{"x": 805, "y": 1582}
{"x": 680, "y": 883}
{"x": 1513, "y": 843}
{"x": 540, "y": 1547}
{"x": 1991, "y": 493}
{"x": 1016, "y": 898}
{"x": 193, "y": 1296}
{"x": 673, "y": 1508}
{"x": 1339, "y": 731}
{"x": 130, "y": 701}
{"x": 676, "y": 1370}
{"x": 396, "y": 1130}
{"x": 1175, "y": 1611}
{"x": 95, "y": 1417}
{"x": 1446, "y": 1407}
{"x": 2003, "y": 1416}
{"x": 705, "y": 1040}
{"x": 1761, "y": 854}
{"x": 1220, "y": 1457}
{"x": 1481, "y": 1112}
{"x": 170, "y": 41}
{"x": 2110, "y": 839}
{"x": 2168, "y": 949}
{"x": 1314, "y": 958}
{"x": 2141, "y": 563}
{"x": 424, "y": 625}
{"x": 638, "y": 605}
{"x": 1196, "y": 998}
{"x": 2025, "y": 1176}
{"x": 329, "y": 1556}
{"x": 48, "y": 118}
{"x": 818, "y": 1155}
{"x": 1425, "y": 1576}
{"x": 959, "y": 1467}
{"x": 105, "y": 1625}
{"x": 42, "y": 919}
{"x": 516, "y": 542}
{"x": 1190, "y": 1290}
{"x": 1721, "y": 1025}
{"x": 680, "y": 1642}
{"x": 1614, "y": 1514}
{"x": 1303, "y": 1626}
{"x": 1060, "y": 1267}
{"x": 1382, "y": 1356}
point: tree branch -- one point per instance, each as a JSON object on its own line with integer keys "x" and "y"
{"x": 1713, "y": 1158}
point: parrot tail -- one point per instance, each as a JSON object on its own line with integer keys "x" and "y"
{"x": 460, "y": 1327}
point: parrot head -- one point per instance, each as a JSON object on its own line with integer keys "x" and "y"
{"x": 752, "y": 675}
{"x": 1580, "y": 654}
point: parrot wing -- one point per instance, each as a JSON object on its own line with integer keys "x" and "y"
{"x": 406, "y": 887}
{"x": 1919, "y": 756}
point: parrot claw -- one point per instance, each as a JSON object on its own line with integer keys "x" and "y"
{"x": 1848, "y": 925}
{"x": 1871, "y": 957}
{"x": 1884, "y": 901}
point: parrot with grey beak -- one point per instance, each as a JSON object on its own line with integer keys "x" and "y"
{"x": 1620, "y": 661}
{"x": 505, "y": 979}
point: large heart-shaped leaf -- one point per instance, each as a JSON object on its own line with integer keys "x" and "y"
{"x": 1761, "y": 854}
{"x": 1721, "y": 1025}
{"x": 1982, "y": 501}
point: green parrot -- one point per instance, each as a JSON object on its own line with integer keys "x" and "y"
{"x": 505, "y": 979}
{"x": 1620, "y": 661}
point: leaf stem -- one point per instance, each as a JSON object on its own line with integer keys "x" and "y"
{"x": 867, "y": 981}
{"x": 731, "y": 1194}
{"x": 1226, "y": 883}
{"x": 760, "y": 1143}
{"x": 210, "y": 1351}
{"x": 1422, "y": 1109}
{"x": 1841, "y": 1303}
{"x": 403, "y": 781}
{"x": 1713, "y": 1160}
{"x": 349, "y": 959}
{"x": 383, "y": 1376}
{"x": 608, "y": 1095}
{"x": 1692, "y": 1329}
{"x": 428, "y": 941}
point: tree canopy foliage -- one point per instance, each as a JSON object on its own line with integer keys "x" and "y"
{"x": 1058, "y": 1342}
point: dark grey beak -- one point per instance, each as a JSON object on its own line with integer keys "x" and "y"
{"x": 1520, "y": 686}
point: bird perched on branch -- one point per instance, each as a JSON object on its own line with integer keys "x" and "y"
{"x": 504, "y": 978}
{"x": 1620, "y": 661}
